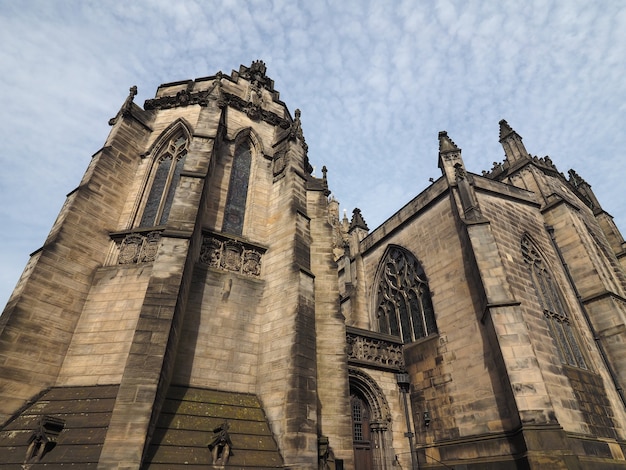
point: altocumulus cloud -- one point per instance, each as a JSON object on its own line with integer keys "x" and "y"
{"x": 376, "y": 80}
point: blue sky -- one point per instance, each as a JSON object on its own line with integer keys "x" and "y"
{"x": 375, "y": 80}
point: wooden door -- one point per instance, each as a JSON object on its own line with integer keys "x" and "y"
{"x": 361, "y": 434}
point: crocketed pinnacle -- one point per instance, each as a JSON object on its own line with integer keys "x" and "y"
{"x": 357, "y": 220}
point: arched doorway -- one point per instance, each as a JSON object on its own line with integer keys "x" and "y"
{"x": 371, "y": 423}
{"x": 361, "y": 432}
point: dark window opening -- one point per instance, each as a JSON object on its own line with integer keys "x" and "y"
{"x": 166, "y": 177}
{"x": 237, "y": 190}
{"x": 404, "y": 305}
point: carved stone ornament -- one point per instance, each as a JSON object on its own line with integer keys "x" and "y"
{"x": 139, "y": 248}
{"x": 256, "y": 73}
{"x": 182, "y": 98}
{"x": 459, "y": 172}
{"x": 150, "y": 247}
{"x": 210, "y": 252}
{"x": 231, "y": 255}
{"x": 251, "y": 263}
{"x": 129, "y": 249}
{"x": 221, "y": 445}
{"x": 266, "y": 116}
{"x": 253, "y": 111}
{"x": 44, "y": 438}
{"x": 374, "y": 395}
{"x": 126, "y": 107}
{"x": 374, "y": 351}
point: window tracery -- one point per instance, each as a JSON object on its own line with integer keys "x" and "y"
{"x": 554, "y": 311}
{"x": 168, "y": 167}
{"x": 404, "y": 306}
{"x": 235, "y": 208}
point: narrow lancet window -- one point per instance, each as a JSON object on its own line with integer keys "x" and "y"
{"x": 237, "y": 190}
{"x": 554, "y": 311}
{"x": 404, "y": 306}
{"x": 168, "y": 167}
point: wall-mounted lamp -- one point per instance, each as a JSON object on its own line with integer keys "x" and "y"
{"x": 426, "y": 418}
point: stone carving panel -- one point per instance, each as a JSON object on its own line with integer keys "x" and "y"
{"x": 139, "y": 248}
{"x": 231, "y": 255}
{"x": 375, "y": 351}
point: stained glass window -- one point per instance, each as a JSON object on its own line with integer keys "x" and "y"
{"x": 168, "y": 167}
{"x": 237, "y": 190}
{"x": 404, "y": 306}
{"x": 553, "y": 307}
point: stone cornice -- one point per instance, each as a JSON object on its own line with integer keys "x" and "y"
{"x": 187, "y": 98}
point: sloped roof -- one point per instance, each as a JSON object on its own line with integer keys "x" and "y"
{"x": 186, "y": 426}
{"x": 81, "y": 414}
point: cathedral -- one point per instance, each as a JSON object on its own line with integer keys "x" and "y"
{"x": 201, "y": 303}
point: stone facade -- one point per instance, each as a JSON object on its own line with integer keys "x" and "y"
{"x": 200, "y": 298}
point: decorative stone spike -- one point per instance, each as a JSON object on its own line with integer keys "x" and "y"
{"x": 126, "y": 107}
{"x": 449, "y": 157}
{"x": 505, "y": 129}
{"x": 446, "y": 144}
{"x": 512, "y": 144}
{"x": 357, "y": 221}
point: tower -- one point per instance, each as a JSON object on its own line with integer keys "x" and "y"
{"x": 194, "y": 269}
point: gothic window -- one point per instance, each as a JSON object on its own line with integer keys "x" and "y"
{"x": 404, "y": 307}
{"x": 554, "y": 311}
{"x": 237, "y": 190}
{"x": 166, "y": 174}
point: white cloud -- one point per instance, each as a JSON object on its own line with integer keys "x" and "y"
{"x": 375, "y": 80}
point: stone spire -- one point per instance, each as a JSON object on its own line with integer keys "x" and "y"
{"x": 357, "y": 221}
{"x": 449, "y": 157}
{"x": 511, "y": 141}
{"x": 584, "y": 189}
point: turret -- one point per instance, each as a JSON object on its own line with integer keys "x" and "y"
{"x": 449, "y": 157}
{"x": 511, "y": 141}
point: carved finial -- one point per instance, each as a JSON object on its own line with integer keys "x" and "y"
{"x": 126, "y": 107}
{"x": 505, "y": 129}
{"x": 511, "y": 141}
{"x": 324, "y": 172}
{"x": 575, "y": 179}
{"x": 221, "y": 101}
{"x": 446, "y": 144}
{"x": 449, "y": 154}
{"x": 357, "y": 220}
{"x": 258, "y": 66}
{"x": 296, "y": 127}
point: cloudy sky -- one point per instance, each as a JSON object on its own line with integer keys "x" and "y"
{"x": 375, "y": 80}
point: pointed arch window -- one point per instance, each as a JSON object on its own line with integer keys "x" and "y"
{"x": 235, "y": 208}
{"x": 554, "y": 311}
{"x": 165, "y": 176}
{"x": 404, "y": 306}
